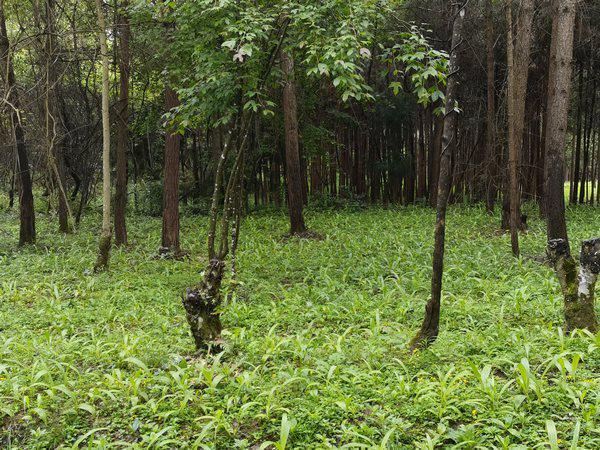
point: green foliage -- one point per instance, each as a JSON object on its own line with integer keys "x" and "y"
{"x": 315, "y": 340}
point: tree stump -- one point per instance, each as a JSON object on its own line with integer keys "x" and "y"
{"x": 577, "y": 284}
{"x": 202, "y": 304}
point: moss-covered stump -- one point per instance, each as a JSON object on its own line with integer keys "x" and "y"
{"x": 202, "y": 304}
{"x": 577, "y": 284}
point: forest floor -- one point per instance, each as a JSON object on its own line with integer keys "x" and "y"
{"x": 315, "y": 340}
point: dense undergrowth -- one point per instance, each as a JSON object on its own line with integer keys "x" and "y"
{"x": 316, "y": 336}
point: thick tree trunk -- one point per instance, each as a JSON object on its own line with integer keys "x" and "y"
{"x": 292, "y": 150}
{"x": 170, "y": 227}
{"x": 26, "y": 208}
{"x": 106, "y": 236}
{"x": 122, "y": 130}
{"x": 577, "y": 285}
{"x": 559, "y": 94}
{"x": 430, "y": 327}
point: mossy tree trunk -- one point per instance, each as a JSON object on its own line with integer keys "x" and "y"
{"x": 577, "y": 284}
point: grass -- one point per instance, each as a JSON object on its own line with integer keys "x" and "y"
{"x": 316, "y": 335}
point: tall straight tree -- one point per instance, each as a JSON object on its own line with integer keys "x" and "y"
{"x": 559, "y": 95}
{"x": 490, "y": 131}
{"x": 122, "y": 127}
{"x": 292, "y": 148}
{"x": 26, "y": 209}
{"x": 170, "y": 228}
{"x": 431, "y": 323}
{"x": 518, "y": 51}
{"x": 578, "y": 285}
{"x": 106, "y": 234}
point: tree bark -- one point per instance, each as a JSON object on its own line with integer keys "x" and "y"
{"x": 559, "y": 90}
{"x": 490, "y": 132}
{"x": 518, "y": 51}
{"x": 430, "y": 326}
{"x": 170, "y": 227}
{"x": 292, "y": 150}
{"x": 26, "y": 208}
{"x": 122, "y": 130}
{"x": 106, "y": 236}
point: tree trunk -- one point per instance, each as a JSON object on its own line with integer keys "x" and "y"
{"x": 122, "y": 131}
{"x": 26, "y": 208}
{"x": 292, "y": 150}
{"x": 430, "y": 327}
{"x": 559, "y": 90}
{"x": 106, "y": 236}
{"x": 490, "y": 136}
{"x": 170, "y": 227}
{"x": 518, "y": 70}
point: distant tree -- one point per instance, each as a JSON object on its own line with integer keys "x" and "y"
{"x": 292, "y": 148}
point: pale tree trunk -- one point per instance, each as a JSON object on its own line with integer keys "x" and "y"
{"x": 292, "y": 150}
{"x": 106, "y": 236}
{"x": 430, "y": 326}
{"x": 518, "y": 51}
{"x": 26, "y": 208}
{"x": 122, "y": 131}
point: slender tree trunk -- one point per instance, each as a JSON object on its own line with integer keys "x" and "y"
{"x": 518, "y": 70}
{"x": 490, "y": 136}
{"x": 574, "y": 182}
{"x": 170, "y": 228}
{"x": 430, "y": 327}
{"x": 292, "y": 151}
{"x": 122, "y": 130}
{"x": 106, "y": 236}
{"x": 559, "y": 92}
{"x": 26, "y": 208}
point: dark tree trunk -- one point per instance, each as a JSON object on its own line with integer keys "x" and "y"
{"x": 490, "y": 136}
{"x": 26, "y": 209}
{"x": 122, "y": 131}
{"x": 170, "y": 228}
{"x": 430, "y": 327}
{"x": 559, "y": 90}
{"x": 292, "y": 150}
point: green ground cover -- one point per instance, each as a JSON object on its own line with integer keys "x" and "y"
{"x": 315, "y": 340}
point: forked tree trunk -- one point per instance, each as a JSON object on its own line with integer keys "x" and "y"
{"x": 122, "y": 131}
{"x": 430, "y": 327}
{"x": 292, "y": 150}
{"x": 106, "y": 236}
{"x": 559, "y": 95}
{"x": 577, "y": 285}
{"x": 26, "y": 209}
{"x": 170, "y": 228}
